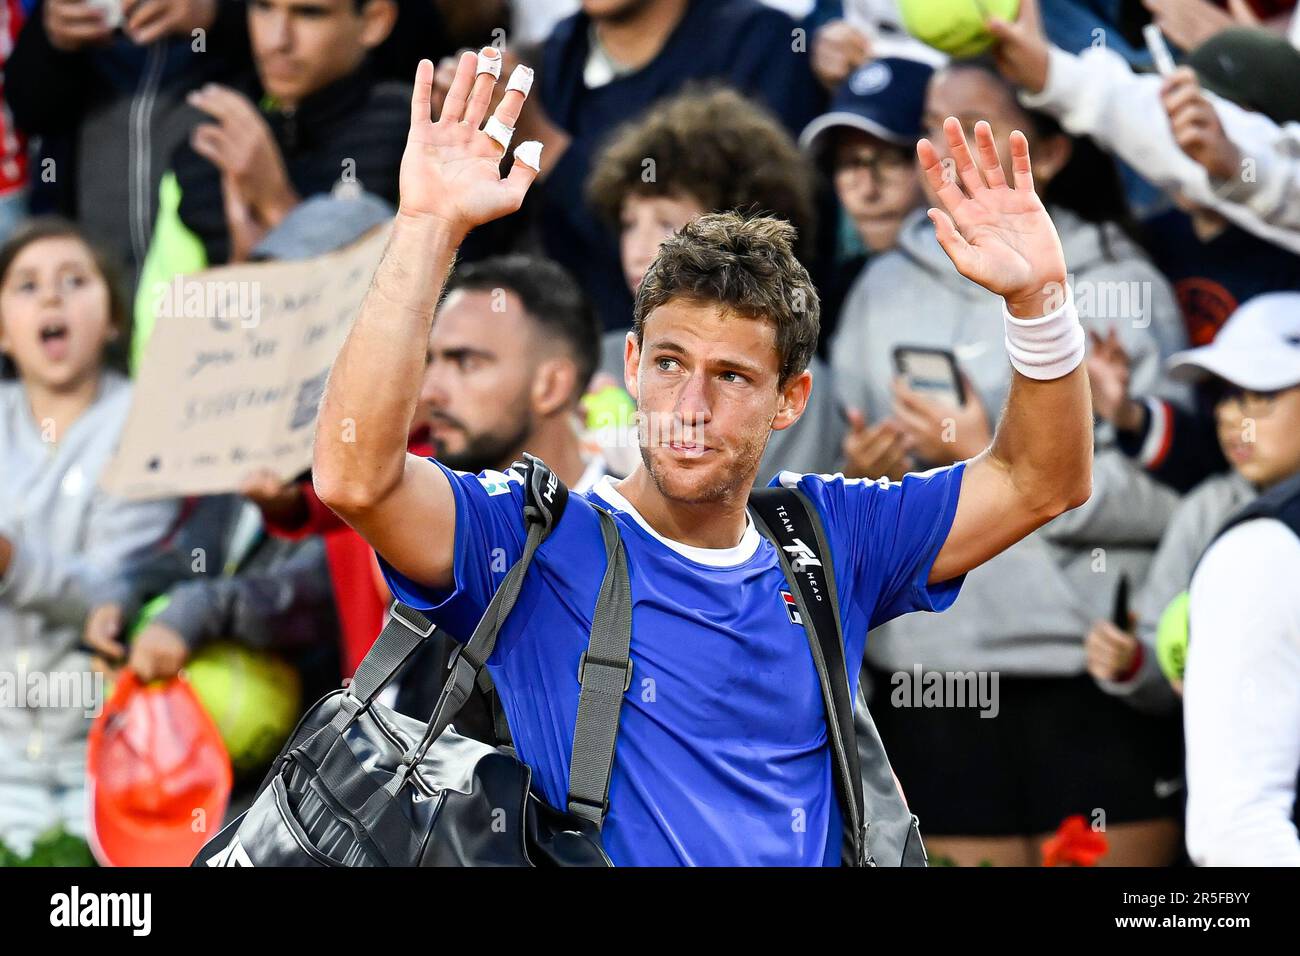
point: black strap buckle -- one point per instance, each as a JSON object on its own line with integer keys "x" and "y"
{"x": 615, "y": 665}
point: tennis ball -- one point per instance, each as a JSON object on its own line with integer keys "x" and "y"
{"x": 1171, "y": 638}
{"x": 252, "y": 696}
{"x": 955, "y": 26}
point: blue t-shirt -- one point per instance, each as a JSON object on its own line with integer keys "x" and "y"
{"x": 722, "y": 755}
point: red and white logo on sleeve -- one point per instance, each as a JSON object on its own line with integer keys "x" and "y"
{"x": 792, "y": 608}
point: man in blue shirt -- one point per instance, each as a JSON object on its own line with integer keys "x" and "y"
{"x": 722, "y": 754}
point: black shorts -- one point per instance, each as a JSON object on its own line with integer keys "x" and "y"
{"x": 1058, "y": 746}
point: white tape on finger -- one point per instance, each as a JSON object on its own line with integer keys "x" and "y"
{"x": 489, "y": 64}
{"x": 521, "y": 79}
{"x": 1047, "y": 347}
{"x": 499, "y": 131}
{"x": 530, "y": 154}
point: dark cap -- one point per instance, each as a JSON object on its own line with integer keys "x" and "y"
{"x": 885, "y": 98}
{"x": 1254, "y": 68}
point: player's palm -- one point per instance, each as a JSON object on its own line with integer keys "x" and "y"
{"x": 451, "y": 169}
{"x": 996, "y": 235}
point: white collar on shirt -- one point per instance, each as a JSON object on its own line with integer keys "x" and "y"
{"x": 713, "y": 557}
{"x": 597, "y": 468}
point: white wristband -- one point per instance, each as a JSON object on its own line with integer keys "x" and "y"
{"x": 1049, "y": 346}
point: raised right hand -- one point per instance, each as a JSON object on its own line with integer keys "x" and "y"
{"x": 451, "y": 168}
{"x": 839, "y": 48}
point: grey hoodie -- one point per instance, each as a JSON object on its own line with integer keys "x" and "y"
{"x": 1027, "y": 610}
{"x": 69, "y": 540}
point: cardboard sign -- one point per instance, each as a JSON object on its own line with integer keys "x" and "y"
{"x": 235, "y": 370}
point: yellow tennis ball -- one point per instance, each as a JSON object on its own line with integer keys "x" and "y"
{"x": 253, "y": 697}
{"x": 1171, "y": 637}
{"x": 955, "y": 26}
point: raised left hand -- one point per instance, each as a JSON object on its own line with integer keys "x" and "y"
{"x": 995, "y": 235}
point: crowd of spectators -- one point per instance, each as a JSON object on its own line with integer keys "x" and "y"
{"x": 145, "y": 139}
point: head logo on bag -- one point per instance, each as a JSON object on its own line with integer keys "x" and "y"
{"x": 801, "y": 556}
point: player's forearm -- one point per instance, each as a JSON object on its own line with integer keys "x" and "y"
{"x": 361, "y": 432}
{"x": 1044, "y": 440}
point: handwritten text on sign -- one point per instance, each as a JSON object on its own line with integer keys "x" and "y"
{"x": 220, "y": 395}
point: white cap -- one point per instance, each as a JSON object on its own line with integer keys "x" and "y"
{"x": 1258, "y": 348}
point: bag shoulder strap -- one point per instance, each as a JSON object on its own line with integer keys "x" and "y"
{"x": 789, "y": 520}
{"x": 605, "y": 673}
{"x": 545, "y": 498}
{"x": 407, "y": 629}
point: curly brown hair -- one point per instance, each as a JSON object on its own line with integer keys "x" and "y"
{"x": 711, "y": 144}
{"x": 746, "y": 264}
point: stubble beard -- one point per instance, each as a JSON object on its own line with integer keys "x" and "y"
{"x": 727, "y": 480}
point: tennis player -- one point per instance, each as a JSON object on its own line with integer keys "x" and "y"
{"x": 722, "y": 753}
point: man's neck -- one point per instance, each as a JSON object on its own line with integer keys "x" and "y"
{"x": 635, "y": 41}
{"x": 711, "y": 524}
{"x": 554, "y": 442}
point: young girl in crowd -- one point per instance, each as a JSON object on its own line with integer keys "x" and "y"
{"x": 61, "y": 537}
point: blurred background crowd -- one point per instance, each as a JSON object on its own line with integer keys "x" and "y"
{"x": 145, "y": 139}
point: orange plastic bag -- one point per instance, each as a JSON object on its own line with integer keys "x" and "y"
{"x": 158, "y": 776}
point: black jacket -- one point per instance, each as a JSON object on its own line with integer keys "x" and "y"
{"x": 355, "y": 128}
{"x": 109, "y": 117}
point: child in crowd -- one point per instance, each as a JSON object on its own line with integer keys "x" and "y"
{"x": 61, "y": 537}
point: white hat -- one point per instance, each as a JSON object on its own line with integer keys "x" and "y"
{"x": 1258, "y": 348}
